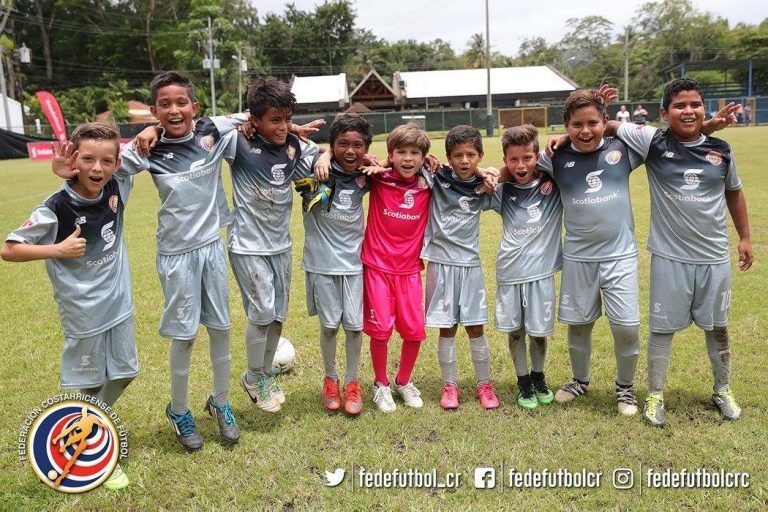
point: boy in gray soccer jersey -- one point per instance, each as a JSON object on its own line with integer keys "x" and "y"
{"x": 259, "y": 238}
{"x": 334, "y": 273}
{"x": 692, "y": 178}
{"x": 529, "y": 256}
{"x": 599, "y": 253}
{"x": 455, "y": 284}
{"x": 78, "y": 231}
{"x": 185, "y": 166}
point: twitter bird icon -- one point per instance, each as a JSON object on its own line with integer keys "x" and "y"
{"x": 334, "y": 478}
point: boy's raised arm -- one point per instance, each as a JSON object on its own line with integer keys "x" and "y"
{"x": 737, "y": 206}
{"x": 71, "y": 247}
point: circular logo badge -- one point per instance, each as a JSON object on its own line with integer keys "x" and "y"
{"x": 207, "y": 142}
{"x": 73, "y": 446}
{"x": 714, "y": 158}
{"x": 613, "y": 157}
{"x": 546, "y": 188}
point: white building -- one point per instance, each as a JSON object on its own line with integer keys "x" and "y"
{"x": 10, "y": 115}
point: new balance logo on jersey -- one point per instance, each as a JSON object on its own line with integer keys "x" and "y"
{"x": 278, "y": 174}
{"x": 569, "y": 164}
{"x": 408, "y": 200}
{"x": 79, "y": 220}
{"x": 445, "y": 185}
{"x": 691, "y": 177}
{"x": 668, "y": 154}
{"x": 343, "y": 200}
{"x": 255, "y": 151}
{"x": 108, "y": 235}
{"x": 464, "y": 203}
{"x": 594, "y": 182}
{"x": 534, "y": 212}
{"x": 167, "y": 156}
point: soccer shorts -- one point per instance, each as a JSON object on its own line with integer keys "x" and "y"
{"x": 336, "y": 300}
{"x": 196, "y": 289}
{"x": 530, "y": 305}
{"x": 682, "y": 293}
{"x": 455, "y": 295}
{"x": 393, "y": 301}
{"x": 110, "y": 355}
{"x": 265, "y": 285}
{"x": 580, "y": 286}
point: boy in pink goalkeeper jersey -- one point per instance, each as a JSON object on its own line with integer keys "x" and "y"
{"x": 393, "y": 297}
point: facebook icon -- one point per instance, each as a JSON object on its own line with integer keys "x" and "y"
{"x": 485, "y": 478}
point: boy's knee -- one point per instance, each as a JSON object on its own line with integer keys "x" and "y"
{"x": 329, "y": 332}
{"x": 474, "y": 331}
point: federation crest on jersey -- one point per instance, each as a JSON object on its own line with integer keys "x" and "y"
{"x": 692, "y": 180}
{"x": 546, "y": 188}
{"x": 290, "y": 152}
{"x": 613, "y": 157}
{"x": 480, "y": 189}
{"x": 714, "y": 158}
{"x": 422, "y": 183}
{"x": 594, "y": 182}
{"x": 464, "y": 203}
{"x": 408, "y": 200}
{"x": 113, "y": 202}
{"x": 207, "y": 142}
{"x": 27, "y": 223}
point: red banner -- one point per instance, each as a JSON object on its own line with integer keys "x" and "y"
{"x": 52, "y": 112}
{"x": 44, "y": 150}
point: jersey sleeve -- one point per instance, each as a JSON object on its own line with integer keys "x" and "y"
{"x": 131, "y": 162}
{"x": 40, "y": 229}
{"x": 429, "y": 177}
{"x": 545, "y": 163}
{"x": 732, "y": 180}
{"x": 124, "y": 185}
{"x": 635, "y": 158}
{"x": 637, "y": 137}
{"x": 225, "y": 124}
{"x": 309, "y": 154}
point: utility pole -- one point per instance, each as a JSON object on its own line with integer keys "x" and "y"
{"x": 4, "y": 93}
{"x": 626, "y": 64}
{"x": 211, "y": 57}
{"x": 242, "y": 65}
{"x": 489, "y": 113}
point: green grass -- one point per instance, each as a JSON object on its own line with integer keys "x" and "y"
{"x": 280, "y": 460}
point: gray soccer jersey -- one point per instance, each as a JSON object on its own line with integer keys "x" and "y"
{"x": 687, "y": 182}
{"x": 594, "y": 187}
{"x": 262, "y": 176}
{"x": 530, "y": 247}
{"x": 93, "y": 292}
{"x": 187, "y": 174}
{"x": 452, "y": 236}
{"x": 333, "y": 237}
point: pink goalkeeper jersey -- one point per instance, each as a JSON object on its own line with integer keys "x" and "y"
{"x": 397, "y": 217}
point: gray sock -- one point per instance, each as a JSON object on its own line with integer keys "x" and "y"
{"x": 446, "y": 356}
{"x": 94, "y": 392}
{"x": 112, "y": 389}
{"x": 274, "y": 330}
{"x": 353, "y": 345}
{"x": 626, "y": 347}
{"x": 328, "y": 350}
{"x": 659, "y": 352}
{"x": 719, "y": 351}
{"x": 221, "y": 362}
{"x": 517, "y": 351}
{"x": 580, "y": 350}
{"x": 179, "y": 360}
{"x": 538, "y": 351}
{"x": 255, "y": 344}
{"x": 481, "y": 358}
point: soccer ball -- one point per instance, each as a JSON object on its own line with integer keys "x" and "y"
{"x": 285, "y": 356}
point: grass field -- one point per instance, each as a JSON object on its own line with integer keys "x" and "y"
{"x": 281, "y": 459}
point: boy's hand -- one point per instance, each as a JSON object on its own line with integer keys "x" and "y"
{"x": 147, "y": 139}
{"x": 370, "y": 160}
{"x": 248, "y": 129}
{"x": 490, "y": 177}
{"x": 555, "y": 144}
{"x": 322, "y": 167}
{"x": 374, "y": 169}
{"x": 745, "y": 254}
{"x": 432, "y": 163}
{"x": 71, "y": 247}
{"x": 63, "y": 163}
{"x": 305, "y": 130}
{"x": 724, "y": 118}
{"x": 608, "y": 93}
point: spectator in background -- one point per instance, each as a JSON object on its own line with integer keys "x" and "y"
{"x": 639, "y": 115}
{"x": 622, "y": 115}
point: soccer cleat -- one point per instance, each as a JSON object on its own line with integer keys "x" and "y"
{"x": 382, "y": 397}
{"x": 627, "y": 402}
{"x": 486, "y": 393}
{"x": 653, "y": 411}
{"x": 543, "y": 394}
{"x": 186, "y": 431}
{"x": 571, "y": 390}
{"x": 260, "y": 394}
{"x": 331, "y": 398}
{"x": 449, "y": 398}
{"x": 314, "y": 193}
{"x": 727, "y": 405}
{"x": 117, "y": 480}
{"x": 410, "y": 395}
{"x": 228, "y": 427}
{"x": 274, "y": 388}
{"x": 526, "y": 398}
{"x": 353, "y": 400}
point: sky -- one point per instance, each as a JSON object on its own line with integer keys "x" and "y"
{"x": 511, "y": 21}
